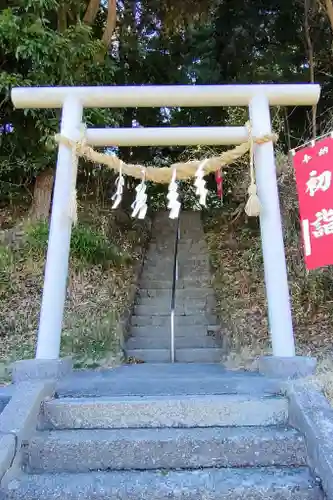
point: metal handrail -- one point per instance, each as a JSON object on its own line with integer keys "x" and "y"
{"x": 173, "y": 293}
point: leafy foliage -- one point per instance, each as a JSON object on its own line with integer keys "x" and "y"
{"x": 89, "y": 246}
{"x": 155, "y": 42}
{"x": 34, "y": 52}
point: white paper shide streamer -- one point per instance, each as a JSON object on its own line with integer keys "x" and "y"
{"x": 120, "y": 182}
{"x": 200, "y": 183}
{"x": 172, "y": 196}
{"x": 139, "y": 206}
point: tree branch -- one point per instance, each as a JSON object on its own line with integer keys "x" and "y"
{"x": 111, "y": 22}
{"x": 327, "y": 5}
{"x": 307, "y": 4}
{"x": 91, "y": 12}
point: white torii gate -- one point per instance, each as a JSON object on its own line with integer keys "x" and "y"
{"x": 258, "y": 98}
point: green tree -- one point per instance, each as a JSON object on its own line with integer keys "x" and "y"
{"x": 44, "y": 43}
{"x": 56, "y": 42}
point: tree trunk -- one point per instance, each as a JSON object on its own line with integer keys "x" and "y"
{"x": 41, "y": 204}
{"x": 128, "y": 54}
{"x": 329, "y": 10}
{"x": 91, "y": 12}
{"x": 111, "y": 22}
{"x": 307, "y": 5}
{"x": 62, "y": 18}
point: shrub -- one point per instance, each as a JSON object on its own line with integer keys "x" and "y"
{"x": 94, "y": 247}
{"x": 87, "y": 245}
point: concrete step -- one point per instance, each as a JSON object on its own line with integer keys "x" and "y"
{"x": 165, "y": 379}
{"x": 183, "y": 258}
{"x": 195, "y": 241}
{"x": 169, "y": 238}
{"x": 184, "y": 266}
{"x": 194, "y": 251}
{"x": 164, "y": 265}
{"x": 119, "y": 449}
{"x": 193, "y": 232}
{"x": 190, "y": 307}
{"x": 163, "y": 304}
{"x": 161, "y": 332}
{"x": 191, "y": 279}
{"x": 181, "y": 300}
{"x": 189, "y": 292}
{"x": 184, "y": 254}
{"x": 166, "y": 248}
{"x": 163, "y": 341}
{"x": 185, "y": 355}
{"x": 193, "y": 275}
{"x": 170, "y": 411}
{"x": 269, "y": 483}
{"x": 167, "y": 284}
{"x": 164, "y": 288}
{"x": 165, "y": 309}
{"x": 150, "y": 355}
{"x": 166, "y": 269}
{"x": 193, "y": 247}
{"x": 193, "y": 319}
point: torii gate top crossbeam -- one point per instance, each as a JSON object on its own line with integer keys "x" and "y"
{"x": 166, "y": 95}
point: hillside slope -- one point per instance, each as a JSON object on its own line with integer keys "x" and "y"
{"x": 105, "y": 250}
{"x": 236, "y": 256}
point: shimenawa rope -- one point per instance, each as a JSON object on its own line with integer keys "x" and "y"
{"x": 164, "y": 175}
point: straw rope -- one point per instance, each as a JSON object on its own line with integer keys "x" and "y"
{"x": 252, "y": 207}
{"x": 163, "y": 175}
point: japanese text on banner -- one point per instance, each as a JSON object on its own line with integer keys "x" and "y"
{"x": 314, "y": 178}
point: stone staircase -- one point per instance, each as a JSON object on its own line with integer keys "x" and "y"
{"x": 165, "y": 431}
{"x": 195, "y": 321}
{"x": 161, "y": 432}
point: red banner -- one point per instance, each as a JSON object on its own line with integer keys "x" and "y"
{"x": 314, "y": 178}
{"x": 219, "y": 182}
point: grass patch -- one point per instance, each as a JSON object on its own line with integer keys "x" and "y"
{"x": 323, "y": 379}
{"x": 245, "y": 358}
{"x": 88, "y": 246}
{"x": 6, "y": 265}
{"x": 92, "y": 342}
{"x": 102, "y": 260}
{"x": 239, "y": 286}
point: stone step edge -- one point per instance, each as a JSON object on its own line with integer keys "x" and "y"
{"x": 147, "y": 342}
{"x": 166, "y": 411}
{"x": 189, "y": 289}
{"x": 180, "y": 350}
{"x": 169, "y": 448}
{"x": 209, "y": 327}
{"x": 256, "y": 483}
{"x": 182, "y": 355}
